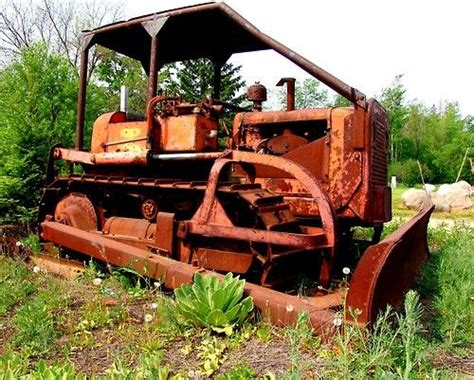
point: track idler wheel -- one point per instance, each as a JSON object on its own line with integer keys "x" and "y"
{"x": 76, "y": 210}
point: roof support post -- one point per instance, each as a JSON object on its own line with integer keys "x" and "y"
{"x": 81, "y": 98}
{"x": 153, "y": 27}
{"x": 216, "y": 92}
{"x": 153, "y": 76}
{"x": 218, "y": 63}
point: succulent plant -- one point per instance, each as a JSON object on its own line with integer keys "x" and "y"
{"x": 213, "y": 303}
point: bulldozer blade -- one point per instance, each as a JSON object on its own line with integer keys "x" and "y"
{"x": 279, "y": 308}
{"x": 386, "y": 270}
{"x": 67, "y": 269}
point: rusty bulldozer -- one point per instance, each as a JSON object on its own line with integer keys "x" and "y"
{"x": 278, "y": 205}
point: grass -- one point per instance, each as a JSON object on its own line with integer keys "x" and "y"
{"x": 97, "y": 328}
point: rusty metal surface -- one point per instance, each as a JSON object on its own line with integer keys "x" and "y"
{"x": 112, "y": 158}
{"x": 290, "y": 92}
{"x": 76, "y": 210}
{"x": 175, "y": 45}
{"x": 387, "y": 269}
{"x": 280, "y": 204}
{"x": 67, "y": 269}
{"x": 165, "y": 232}
{"x": 280, "y": 308}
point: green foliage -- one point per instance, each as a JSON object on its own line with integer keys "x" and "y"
{"x": 37, "y": 105}
{"x": 308, "y": 94}
{"x": 15, "y": 366}
{"x": 193, "y": 80}
{"x": 32, "y": 242}
{"x": 393, "y": 99}
{"x": 341, "y": 101}
{"x": 241, "y": 372}
{"x": 35, "y": 322}
{"x": 15, "y": 284}
{"x": 38, "y": 94}
{"x": 448, "y": 282}
{"x": 149, "y": 367}
{"x": 45, "y": 371}
{"x": 388, "y": 350}
{"x": 299, "y": 335}
{"x": 438, "y": 138}
{"x": 116, "y": 70}
{"x": 213, "y": 303}
{"x": 408, "y": 172}
{"x": 12, "y": 366}
{"x": 211, "y": 353}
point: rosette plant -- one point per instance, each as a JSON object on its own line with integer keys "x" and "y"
{"x": 212, "y": 303}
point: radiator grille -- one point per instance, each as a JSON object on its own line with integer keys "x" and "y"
{"x": 379, "y": 151}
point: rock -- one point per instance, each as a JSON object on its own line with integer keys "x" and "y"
{"x": 463, "y": 185}
{"x": 429, "y": 187}
{"x": 458, "y": 200}
{"x": 457, "y": 195}
{"x": 415, "y": 199}
{"x": 444, "y": 189}
{"x": 440, "y": 203}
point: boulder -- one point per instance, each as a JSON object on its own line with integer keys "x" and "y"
{"x": 429, "y": 187}
{"x": 463, "y": 185}
{"x": 415, "y": 199}
{"x": 457, "y": 195}
{"x": 440, "y": 202}
{"x": 458, "y": 200}
{"x": 445, "y": 188}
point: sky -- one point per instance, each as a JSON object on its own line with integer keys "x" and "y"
{"x": 365, "y": 43}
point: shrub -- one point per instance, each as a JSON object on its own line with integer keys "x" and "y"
{"x": 213, "y": 303}
{"x": 408, "y": 173}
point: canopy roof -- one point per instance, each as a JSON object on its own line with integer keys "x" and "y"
{"x": 211, "y": 30}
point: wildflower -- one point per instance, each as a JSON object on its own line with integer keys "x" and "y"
{"x": 148, "y": 318}
{"x": 19, "y": 244}
{"x": 337, "y": 321}
{"x": 97, "y": 281}
{"x": 289, "y": 308}
{"x": 346, "y": 270}
{"x": 36, "y": 269}
{"x": 154, "y": 306}
{"x": 156, "y": 284}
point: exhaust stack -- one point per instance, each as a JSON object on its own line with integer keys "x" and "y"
{"x": 124, "y": 99}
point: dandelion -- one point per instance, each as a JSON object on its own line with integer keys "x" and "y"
{"x": 97, "y": 281}
{"x": 289, "y": 308}
{"x": 337, "y": 321}
{"x": 154, "y": 306}
{"x": 346, "y": 270}
{"x": 36, "y": 269}
{"x": 148, "y": 318}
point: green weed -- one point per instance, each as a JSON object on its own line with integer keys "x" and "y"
{"x": 388, "y": 350}
{"x": 149, "y": 367}
{"x": 15, "y": 284}
{"x": 32, "y": 242}
{"x": 241, "y": 372}
{"x": 35, "y": 322}
{"x": 448, "y": 282}
{"x": 299, "y": 335}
